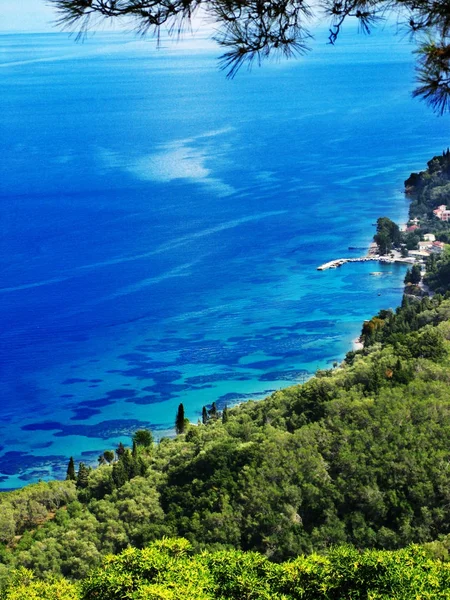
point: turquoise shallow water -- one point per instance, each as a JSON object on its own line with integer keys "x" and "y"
{"x": 161, "y": 228}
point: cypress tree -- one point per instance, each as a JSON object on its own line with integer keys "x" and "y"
{"x": 204, "y": 415}
{"x": 127, "y": 461}
{"x": 416, "y": 275}
{"x": 83, "y": 476}
{"x": 179, "y": 420}
{"x": 71, "y": 475}
{"x": 213, "y": 411}
{"x": 225, "y": 415}
{"x": 119, "y": 474}
{"x": 120, "y": 450}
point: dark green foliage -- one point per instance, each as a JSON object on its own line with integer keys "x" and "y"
{"x": 225, "y": 415}
{"x": 392, "y": 328}
{"x": 438, "y": 273}
{"x": 143, "y": 437}
{"x": 428, "y": 189}
{"x": 411, "y": 241}
{"x": 109, "y": 456}
{"x": 129, "y": 465}
{"x": 120, "y": 450}
{"x": 413, "y": 275}
{"x": 205, "y": 415}
{"x": 387, "y": 236}
{"x": 83, "y": 476}
{"x": 71, "y": 474}
{"x": 355, "y": 455}
{"x": 180, "y": 420}
{"x": 119, "y": 474}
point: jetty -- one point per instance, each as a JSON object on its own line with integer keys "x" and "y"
{"x": 338, "y": 262}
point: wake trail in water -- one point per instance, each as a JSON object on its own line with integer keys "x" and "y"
{"x": 172, "y": 245}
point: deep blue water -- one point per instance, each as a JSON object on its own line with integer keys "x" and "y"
{"x": 161, "y": 228}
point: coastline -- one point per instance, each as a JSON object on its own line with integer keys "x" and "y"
{"x": 396, "y": 258}
{"x": 357, "y": 344}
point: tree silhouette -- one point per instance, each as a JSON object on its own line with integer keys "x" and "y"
{"x": 71, "y": 475}
{"x": 251, "y": 30}
{"x": 225, "y": 415}
{"x": 180, "y": 423}
{"x": 83, "y": 476}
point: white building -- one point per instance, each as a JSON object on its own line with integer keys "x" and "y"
{"x": 419, "y": 253}
{"x": 442, "y": 213}
{"x": 425, "y": 245}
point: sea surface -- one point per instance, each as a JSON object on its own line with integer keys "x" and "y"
{"x": 161, "y": 227}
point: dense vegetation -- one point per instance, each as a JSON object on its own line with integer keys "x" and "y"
{"x": 168, "y": 570}
{"x": 358, "y": 455}
{"x": 387, "y": 235}
{"x": 429, "y": 189}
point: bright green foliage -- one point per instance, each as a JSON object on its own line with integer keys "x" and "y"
{"x": 346, "y": 573}
{"x": 167, "y": 570}
{"x": 162, "y": 570}
{"x": 24, "y": 586}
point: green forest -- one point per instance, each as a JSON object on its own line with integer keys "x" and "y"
{"x": 337, "y": 488}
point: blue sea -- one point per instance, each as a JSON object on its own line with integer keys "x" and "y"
{"x": 161, "y": 228}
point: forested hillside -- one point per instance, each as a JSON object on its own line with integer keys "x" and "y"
{"x": 358, "y": 455}
{"x": 428, "y": 189}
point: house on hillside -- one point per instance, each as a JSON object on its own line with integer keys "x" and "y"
{"x": 419, "y": 254}
{"x": 437, "y": 247}
{"x": 429, "y": 237}
{"x": 425, "y": 245}
{"x": 442, "y": 213}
